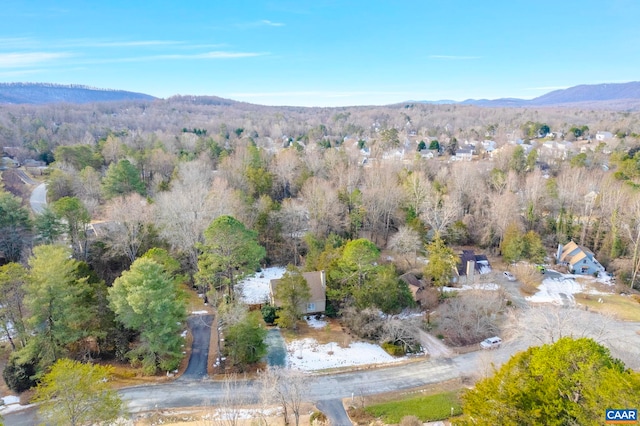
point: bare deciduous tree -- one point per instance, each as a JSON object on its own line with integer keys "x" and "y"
{"x": 547, "y": 324}
{"x": 321, "y": 202}
{"x": 185, "y": 211}
{"x": 294, "y": 220}
{"x": 471, "y": 316}
{"x": 381, "y": 197}
{"x": 236, "y": 396}
{"x": 404, "y": 332}
{"x": 287, "y": 168}
{"x": 286, "y": 388}
{"x": 130, "y": 216}
{"x": 407, "y": 243}
{"x": 439, "y": 211}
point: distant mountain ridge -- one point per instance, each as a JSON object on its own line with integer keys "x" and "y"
{"x": 619, "y": 95}
{"x": 46, "y": 93}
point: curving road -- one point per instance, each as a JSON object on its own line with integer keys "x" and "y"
{"x": 326, "y": 390}
{"x": 38, "y": 198}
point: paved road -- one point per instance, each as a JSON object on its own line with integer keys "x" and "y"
{"x": 25, "y": 178}
{"x": 326, "y": 390}
{"x": 38, "y": 198}
{"x": 434, "y": 346}
{"x": 334, "y": 410}
{"x": 200, "y": 326}
{"x": 322, "y": 387}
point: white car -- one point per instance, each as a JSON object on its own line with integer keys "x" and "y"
{"x": 491, "y": 343}
{"x": 508, "y": 275}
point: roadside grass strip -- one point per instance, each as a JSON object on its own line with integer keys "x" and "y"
{"x": 427, "y": 408}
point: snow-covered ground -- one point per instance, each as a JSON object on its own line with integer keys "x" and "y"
{"x": 486, "y": 286}
{"x": 309, "y": 355}
{"x": 314, "y": 323}
{"x": 11, "y": 403}
{"x": 560, "y": 291}
{"x": 255, "y": 289}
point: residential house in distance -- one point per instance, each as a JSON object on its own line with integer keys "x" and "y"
{"x": 317, "y": 282}
{"x": 464, "y": 154}
{"x": 429, "y": 153}
{"x": 416, "y": 287}
{"x": 8, "y": 163}
{"x": 489, "y": 146}
{"x": 579, "y": 259}
{"x": 471, "y": 264}
{"x": 603, "y": 136}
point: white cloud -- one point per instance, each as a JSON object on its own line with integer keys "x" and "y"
{"x": 17, "y": 60}
{"x": 271, "y": 23}
{"x": 19, "y": 73}
{"x": 17, "y": 43}
{"x": 261, "y": 23}
{"x": 171, "y": 57}
{"x": 131, "y": 43}
{"x": 224, "y": 55}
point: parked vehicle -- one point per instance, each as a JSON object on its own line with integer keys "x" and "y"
{"x": 541, "y": 269}
{"x": 491, "y": 343}
{"x": 508, "y": 275}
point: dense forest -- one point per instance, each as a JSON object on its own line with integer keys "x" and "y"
{"x": 152, "y": 188}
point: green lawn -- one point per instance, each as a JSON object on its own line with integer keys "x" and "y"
{"x": 426, "y": 408}
{"x": 622, "y": 307}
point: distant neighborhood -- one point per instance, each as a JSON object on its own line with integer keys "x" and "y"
{"x": 272, "y": 239}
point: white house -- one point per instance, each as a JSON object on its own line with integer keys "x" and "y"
{"x": 464, "y": 154}
{"x": 602, "y": 136}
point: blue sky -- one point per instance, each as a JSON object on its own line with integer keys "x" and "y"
{"x": 322, "y": 52}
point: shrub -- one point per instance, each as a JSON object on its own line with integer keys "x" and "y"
{"x": 18, "y": 374}
{"x": 471, "y": 317}
{"x": 528, "y": 276}
{"x": 269, "y": 314}
{"x": 393, "y": 349}
{"x": 366, "y": 323}
{"x": 317, "y": 416}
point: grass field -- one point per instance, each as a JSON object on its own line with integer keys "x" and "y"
{"x": 426, "y": 407}
{"x": 624, "y": 308}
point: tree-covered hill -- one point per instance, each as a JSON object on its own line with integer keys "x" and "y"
{"x": 43, "y": 93}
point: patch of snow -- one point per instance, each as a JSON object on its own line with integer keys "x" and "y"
{"x": 486, "y": 286}
{"x": 559, "y": 291}
{"x": 199, "y": 312}
{"x": 229, "y": 414}
{"x": 485, "y": 268}
{"x": 308, "y": 355}
{"x": 255, "y": 289}
{"x": 12, "y": 404}
{"x": 315, "y": 323}
{"x": 556, "y": 290}
{"x": 11, "y": 399}
{"x": 605, "y": 278}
